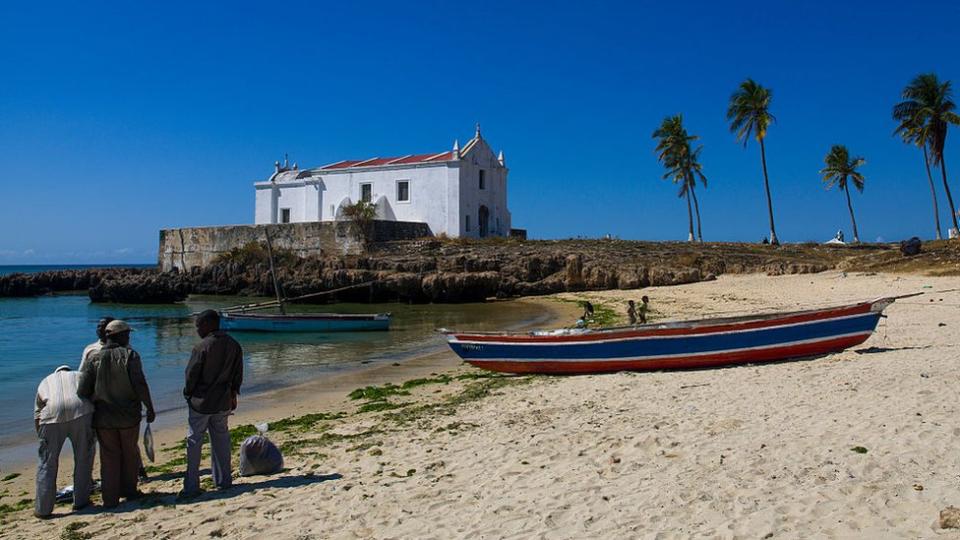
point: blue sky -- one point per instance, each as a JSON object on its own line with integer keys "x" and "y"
{"x": 118, "y": 119}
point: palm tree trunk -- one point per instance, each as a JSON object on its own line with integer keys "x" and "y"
{"x": 696, "y": 208}
{"x": 856, "y": 235}
{"x": 933, "y": 192}
{"x": 689, "y": 217}
{"x": 766, "y": 185}
{"x": 946, "y": 187}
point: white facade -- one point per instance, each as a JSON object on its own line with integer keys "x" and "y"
{"x": 443, "y": 190}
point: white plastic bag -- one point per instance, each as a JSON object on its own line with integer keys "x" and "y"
{"x": 148, "y": 443}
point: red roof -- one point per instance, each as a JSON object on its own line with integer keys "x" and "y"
{"x": 379, "y": 161}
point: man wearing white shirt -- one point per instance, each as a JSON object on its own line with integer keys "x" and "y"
{"x": 60, "y": 414}
{"x": 96, "y": 345}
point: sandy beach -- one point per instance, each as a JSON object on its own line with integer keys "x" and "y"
{"x": 860, "y": 444}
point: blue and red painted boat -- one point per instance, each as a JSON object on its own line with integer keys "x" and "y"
{"x": 703, "y": 343}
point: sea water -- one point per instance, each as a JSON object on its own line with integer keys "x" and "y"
{"x": 39, "y": 334}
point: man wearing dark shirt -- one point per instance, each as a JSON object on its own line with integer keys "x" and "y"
{"x": 113, "y": 380}
{"x": 213, "y": 378}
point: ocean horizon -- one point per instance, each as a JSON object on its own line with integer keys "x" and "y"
{"x": 6, "y": 269}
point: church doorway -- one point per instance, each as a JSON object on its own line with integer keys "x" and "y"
{"x": 483, "y": 219}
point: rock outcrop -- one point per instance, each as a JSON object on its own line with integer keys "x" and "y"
{"x": 444, "y": 271}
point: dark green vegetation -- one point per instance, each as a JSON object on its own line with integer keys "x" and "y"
{"x": 74, "y": 531}
{"x": 9, "y": 477}
{"x": 682, "y": 161}
{"x": 923, "y": 117}
{"x": 840, "y": 167}
{"x": 859, "y": 450}
{"x": 749, "y": 115}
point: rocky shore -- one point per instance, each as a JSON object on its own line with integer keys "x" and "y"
{"x": 450, "y": 271}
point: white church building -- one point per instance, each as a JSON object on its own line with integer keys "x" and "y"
{"x": 459, "y": 192}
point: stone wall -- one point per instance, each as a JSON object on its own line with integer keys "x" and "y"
{"x": 191, "y": 247}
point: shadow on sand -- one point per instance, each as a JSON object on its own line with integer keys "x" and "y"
{"x": 160, "y": 498}
{"x": 877, "y": 350}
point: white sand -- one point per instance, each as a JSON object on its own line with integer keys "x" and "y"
{"x": 741, "y": 452}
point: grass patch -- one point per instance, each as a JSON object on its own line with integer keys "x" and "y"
{"x": 303, "y": 423}
{"x": 326, "y": 439}
{"x": 73, "y": 531}
{"x": 11, "y": 476}
{"x": 474, "y": 391}
{"x": 22, "y": 504}
{"x": 376, "y": 406}
{"x": 378, "y": 393}
{"x": 859, "y": 450}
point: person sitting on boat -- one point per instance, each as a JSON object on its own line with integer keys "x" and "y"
{"x": 213, "y": 378}
{"x": 642, "y": 310}
{"x": 96, "y": 345}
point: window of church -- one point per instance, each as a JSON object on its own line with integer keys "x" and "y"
{"x": 483, "y": 179}
{"x": 467, "y": 223}
{"x": 366, "y": 192}
{"x": 403, "y": 191}
{"x": 284, "y": 215}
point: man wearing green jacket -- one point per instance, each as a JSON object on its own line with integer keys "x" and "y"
{"x": 113, "y": 380}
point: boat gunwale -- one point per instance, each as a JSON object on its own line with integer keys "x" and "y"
{"x": 308, "y": 317}
{"x": 642, "y": 331}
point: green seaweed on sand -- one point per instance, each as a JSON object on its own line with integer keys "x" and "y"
{"x": 22, "y": 504}
{"x": 10, "y": 476}
{"x": 859, "y": 450}
{"x": 376, "y": 406}
{"x": 73, "y": 531}
{"x": 471, "y": 392}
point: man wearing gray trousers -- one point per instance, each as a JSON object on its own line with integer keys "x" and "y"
{"x": 213, "y": 378}
{"x": 60, "y": 414}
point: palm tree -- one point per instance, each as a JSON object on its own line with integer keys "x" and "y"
{"x": 913, "y": 133}
{"x": 840, "y": 168}
{"x": 928, "y": 106}
{"x": 749, "y": 114}
{"x": 682, "y": 163}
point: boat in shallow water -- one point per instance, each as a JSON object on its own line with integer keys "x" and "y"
{"x": 703, "y": 343}
{"x": 319, "y": 322}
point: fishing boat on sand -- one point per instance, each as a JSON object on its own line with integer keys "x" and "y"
{"x": 238, "y": 318}
{"x": 702, "y": 343}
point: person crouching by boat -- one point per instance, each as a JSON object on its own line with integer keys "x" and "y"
{"x": 113, "y": 380}
{"x": 97, "y": 345}
{"x": 213, "y": 378}
{"x": 60, "y": 414}
{"x": 587, "y": 316}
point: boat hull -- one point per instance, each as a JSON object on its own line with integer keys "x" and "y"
{"x": 319, "y": 323}
{"x": 684, "y": 345}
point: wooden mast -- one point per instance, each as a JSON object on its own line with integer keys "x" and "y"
{"x": 273, "y": 273}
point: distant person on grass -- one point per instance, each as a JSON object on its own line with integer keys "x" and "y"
{"x": 213, "y": 378}
{"x": 642, "y": 310}
{"x": 113, "y": 380}
{"x": 60, "y": 414}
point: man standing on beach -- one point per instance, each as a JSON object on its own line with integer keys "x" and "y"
{"x": 213, "y": 378}
{"x": 113, "y": 379}
{"x": 60, "y": 414}
{"x": 97, "y": 345}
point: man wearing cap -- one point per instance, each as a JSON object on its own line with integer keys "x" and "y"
{"x": 213, "y": 378}
{"x": 113, "y": 380}
{"x": 60, "y": 414}
{"x": 98, "y": 344}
